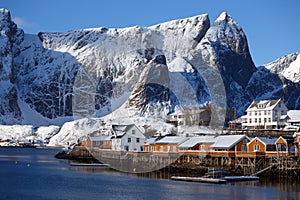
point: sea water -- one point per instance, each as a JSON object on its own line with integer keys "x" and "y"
{"x": 36, "y": 174}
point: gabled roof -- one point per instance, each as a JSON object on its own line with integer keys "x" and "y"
{"x": 227, "y": 141}
{"x": 172, "y": 140}
{"x": 268, "y": 141}
{"x": 294, "y": 115}
{"x": 121, "y": 130}
{"x": 193, "y": 141}
{"x": 269, "y": 104}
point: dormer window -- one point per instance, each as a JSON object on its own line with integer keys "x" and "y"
{"x": 261, "y": 105}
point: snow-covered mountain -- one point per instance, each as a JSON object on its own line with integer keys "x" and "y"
{"x": 50, "y": 78}
{"x": 288, "y": 66}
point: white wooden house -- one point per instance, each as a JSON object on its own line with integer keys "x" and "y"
{"x": 127, "y": 138}
{"x": 265, "y": 114}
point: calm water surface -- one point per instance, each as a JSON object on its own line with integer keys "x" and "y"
{"x": 36, "y": 174}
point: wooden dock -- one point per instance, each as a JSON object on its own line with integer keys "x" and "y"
{"x": 90, "y": 164}
{"x": 199, "y": 179}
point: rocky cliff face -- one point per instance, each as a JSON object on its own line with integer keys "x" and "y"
{"x": 10, "y": 39}
{"x": 92, "y": 72}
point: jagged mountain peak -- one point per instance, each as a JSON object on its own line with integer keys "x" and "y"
{"x": 224, "y": 17}
{"x": 43, "y": 75}
{"x": 4, "y": 14}
{"x": 225, "y": 46}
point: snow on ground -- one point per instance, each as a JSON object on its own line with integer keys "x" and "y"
{"x": 46, "y": 132}
{"x": 293, "y": 71}
{"x": 15, "y": 132}
{"x": 34, "y": 118}
{"x": 74, "y": 131}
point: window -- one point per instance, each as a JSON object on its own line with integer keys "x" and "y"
{"x": 259, "y": 113}
{"x": 255, "y": 113}
{"x": 250, "y": 120}
{"x": 259, "y": 120}
{"x": 161, "y": 148}
{"x": 244, "y": 147}
{"x": 269, "y": 119}
{"x": 133, "y": 132}
{"x": 282, "y": 112}
{"x": 128, "y": 140}
{"x": 281, "y": 147}
{"x": 265, "y": 112}
{"x": 250, "y": 113}
{"x": 256, "y": 147}
{"x": 174, "y": 148}
{"x": 269, "y": 112}
{"x": 138, "y": 140}
{"x": 265, "y": 120}
{"x": 255, "y": 120}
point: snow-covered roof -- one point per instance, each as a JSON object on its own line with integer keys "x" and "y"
{"x": 172, "y": 140}
{"x": 268, "y": 104}
{"x": 121, "y": 130}
{"x": 283, "y": 116}
{"x": 227, "y": 141}
{"x": 296, "y": 134}
{"x": 191, "y": 142}
{"x": 294, "y": 115}
{"x": 268, "y": 141}
{"x": 150, "y": 141}
{"x": 100, "y": 138}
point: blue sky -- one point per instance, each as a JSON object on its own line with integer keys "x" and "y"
{"x": 272, "y": 26}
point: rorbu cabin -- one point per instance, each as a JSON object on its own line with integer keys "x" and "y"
{"x": 297, "y": 143}
{"x": 262, "y": 146}
{"x": 197, "y": 145}
{"x": 229, "y": 145}
{"x": 149, "y": 145}
{"x": 270, "y": 147}
{"x": 285, "y": 146}
{"x": 101, "y": 142}
{"x": 169, "y": 144}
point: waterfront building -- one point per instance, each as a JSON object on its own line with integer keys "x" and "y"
{"x": 265, "y": 114}
{"x": 293, "y": 118}
{"x": 297, "y": 143}
{"x": 229, "y": 145}
{"x": 270, "y": 147}
{"x": 100, "y": 141}
{"x": 127, "y": 138}
{"x": 197, "y": 145}
{"x": 167, "y": 144}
